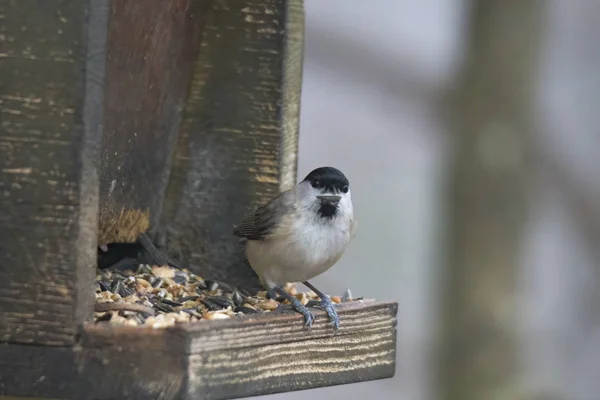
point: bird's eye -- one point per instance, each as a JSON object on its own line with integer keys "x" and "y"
{"x": 345, "y": 188}
{"x": 316, "y": 183}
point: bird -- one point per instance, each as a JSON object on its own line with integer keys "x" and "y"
{"x": 299, "y": 234}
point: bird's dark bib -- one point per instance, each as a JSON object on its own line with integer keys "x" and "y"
{"x": 327, "y": 210}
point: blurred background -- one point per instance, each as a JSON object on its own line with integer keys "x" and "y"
{"x": 469, "y": 133}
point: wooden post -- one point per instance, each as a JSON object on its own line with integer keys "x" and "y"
{"x": 52, "y": 69}
{"x": 151, "y": 52}
{"x": 494, "y": 117}
{"x": 239, "y": 139}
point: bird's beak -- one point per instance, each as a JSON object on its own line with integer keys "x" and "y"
{"x": 330, "y": 198}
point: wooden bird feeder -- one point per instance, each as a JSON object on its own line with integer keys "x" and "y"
{"x": 163, "y": 119}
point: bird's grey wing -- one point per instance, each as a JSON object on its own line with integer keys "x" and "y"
{"x": 265, "y": 219}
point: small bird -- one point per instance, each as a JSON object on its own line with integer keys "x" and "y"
{"x": 300, "y": 234}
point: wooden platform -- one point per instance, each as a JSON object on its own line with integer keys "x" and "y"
{"x": 210, "y": 360}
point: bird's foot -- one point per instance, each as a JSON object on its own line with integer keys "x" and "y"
{"x": 328, "y": 306}
{"x": 309, "y": 318}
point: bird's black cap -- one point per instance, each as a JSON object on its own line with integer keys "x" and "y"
{"x": 327, "y": 177}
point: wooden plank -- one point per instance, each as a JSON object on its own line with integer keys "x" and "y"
{"x": 51, "y": 96}
{"x": 213, "y": 360}
{"x": 493, "y": 118}
{"x": 151, "y": 52}
{"x": 238, "y": 143}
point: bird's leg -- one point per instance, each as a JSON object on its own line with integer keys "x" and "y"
{"x": 308, "y": 316}
{"x": 327, "y": 305}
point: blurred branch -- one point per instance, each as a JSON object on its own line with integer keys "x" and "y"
{"x": 492, "y": 118}
{"x": 392, "y": 75}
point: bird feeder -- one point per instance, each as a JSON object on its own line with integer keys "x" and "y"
{"x": 130, "y": 119}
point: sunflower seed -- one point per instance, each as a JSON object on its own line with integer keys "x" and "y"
{"x": 188, "y": 298}
{"x": 210, "y": 305}
{"x": 237, "y": 298}
{"x": 125, "y": 291}
{"x": 104, "y": 286}
{"x": 246, "y": 310}
{"x": 157, "y": 282}
{"x": 211, "y": 286}
{"x": 172, "y": 303}
{"x": 222, "y": 301}
{"x": 116, "y": 285}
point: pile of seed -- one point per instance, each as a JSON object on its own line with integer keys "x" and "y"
{"x": 161, "y": 296}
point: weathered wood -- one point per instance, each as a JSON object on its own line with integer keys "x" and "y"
{"x": 224, "y": 359}
{"x": 151, "y": 52}
{"x": 52, "y": 68}
{"x": 238, "y": 142}
{"x": 493, "y": 118}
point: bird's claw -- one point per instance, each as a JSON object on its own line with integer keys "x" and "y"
{"x": 309, "y": 318}
{"x": 328, "y": 306}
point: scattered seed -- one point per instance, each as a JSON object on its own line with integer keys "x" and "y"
{"x": 210, "y": 305}
{"x": 313, "y": 303}
{"x": 222, "y": 301}
{"x": 162, "y": 296}
{"x": 157, "y": 282}
{"x": 172, "y": 303}
{"x": 237, "y": 298}
{"x": 268, "y": 305}
{"x": 246, "y": 310}
{"x": 347, "y": 296}
{"x": 188, "y": 298}
{"x": 116, "y": 285}
{"x": 216, "y": 315}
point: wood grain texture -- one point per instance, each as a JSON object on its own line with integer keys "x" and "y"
{"x": 238, "y": 143}
{"x": 151, "y": 52}
{"x": 221, "y": 359}
{"x": 52, "y": 69}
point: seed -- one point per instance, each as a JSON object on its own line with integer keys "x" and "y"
{"x": 144, "y": 269}
{"x": 125, "y": 291}
{"x": 172, "y": 303}
{"x": 222, "y": 301}
{"x": 142, "y": 282}
{"x": 163, "y": 307}
{"x": 211, "y": 285}
{"x": 116, "y": 285}
{"x": 104, "y": 286}
{"x": 188, "y": 298}
{"x": 193, "y": 312}
{"x": 302, "y": 298}
{"x": 268, "y": 305}
{"x": 237, "y": 298}
{"x": 162, "y": 293}
{"x": 216, "y": 315}
{"x": 245, "y": 310}
{"x": 180, "y": 279}
{"x": 313, "y": 303}
{"x": 336, "y": 299}
{"x": 347, "y": 296}
{"x": 225, "y": 286}
{"x": 163, "y": 272}
{"x": 210, "y": 305}
{"x": 157, "y": 282}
